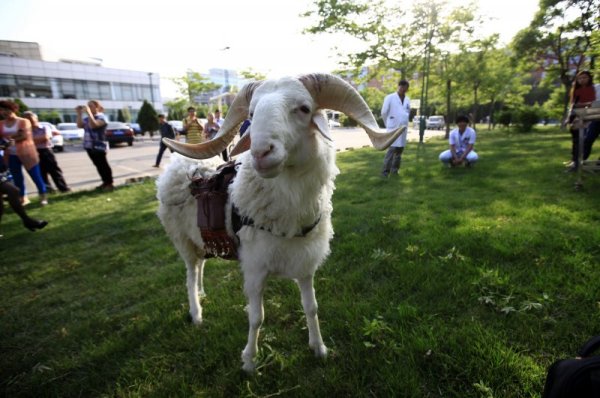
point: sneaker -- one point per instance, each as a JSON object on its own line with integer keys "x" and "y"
{"x": 43, "y": 200}
{"x": 108, "y": 187}
{"x": 25, "y": 201}
{"x": 155, "y": 165}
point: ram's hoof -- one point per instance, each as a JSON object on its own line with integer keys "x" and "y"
{"x": 320, "y": 351}
{"x": 196, "y": 321}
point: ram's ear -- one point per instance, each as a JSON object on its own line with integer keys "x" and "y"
{"x": 320, "y": 121}
{"x": 242, "y": 145}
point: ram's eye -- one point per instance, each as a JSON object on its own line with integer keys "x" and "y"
{"x": 305, "y": 109}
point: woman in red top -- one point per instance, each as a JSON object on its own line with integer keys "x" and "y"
{"x": 582, "y": 95}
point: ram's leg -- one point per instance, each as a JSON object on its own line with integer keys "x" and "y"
{"x": 194, "y": 268}
{"x": 309, "y": 302}
{"x": 253, "y": 287}
{"x": 194, "y": 264}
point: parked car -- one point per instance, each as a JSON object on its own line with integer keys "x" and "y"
{"x": 137, "y": 130}
{"x": 435, "y": 123}
{"x": 58, "y": 141}
{"x": 70, "y": 131}
{"x": 334, "y": 123}
{"x": 177, "y": 125}
{"x": 416, "y": 120}
{"x": 117, "y": 132}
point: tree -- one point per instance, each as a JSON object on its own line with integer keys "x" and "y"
{"x": 561, "y": 40}
{"x": 22, "y": 106}
{"x": 193, "y": 84}
{"x": 251, "y": 74}
{"x": 120, "y": 116}
{"x": 177, "y": 109}
{"x": 126, "y": 114}
{"x": 50, "y": 116}
{"x": 148, "y": 118}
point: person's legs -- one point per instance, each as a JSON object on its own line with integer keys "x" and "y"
{"x": 446, "y": 156}
{"x": 12, "y": 194}
{"x": 44, "y": 167}
{"x": 54, "y": 170}
{"x": 161, "y": 150}
{"x": 36, "y": 175}
{"x": 16, "y": 170}
{"x": 590, "y": 136}
{"x": 396, "y": 159}
{"x": 101, "y": 163}
{"x": 574, "y": 145}
{"x": 387, "y": 162}
{"x": 472, "y": 157}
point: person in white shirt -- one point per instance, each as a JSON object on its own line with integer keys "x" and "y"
{"x": 461, "y": 140}
{"x": 395, "y": 112}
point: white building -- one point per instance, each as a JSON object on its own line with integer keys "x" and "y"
{"x": 60, "y": 86}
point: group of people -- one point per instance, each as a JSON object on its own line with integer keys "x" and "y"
{"x": 583, "y": 94}
{"x": 196, "y": 132}
{"x": 395, "y": 113}
{"x": 26, "y": 143}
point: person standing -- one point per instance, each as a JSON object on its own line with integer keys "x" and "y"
{"x": 42, "y": 137}
{"x": 93, "y": 121}
{"x": 23, "y": 152}
{"x": 461, "y": 140}
{"x": 211, "y": 127}
{"x": 166, "y": 131}
{"x": 193, "y": 127}
{"x": 582, "y": 95}
{"x": 395, "y": 112}
{"x": 218, "y": 119}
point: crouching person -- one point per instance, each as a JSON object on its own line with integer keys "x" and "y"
{"x": 462, "y": 140}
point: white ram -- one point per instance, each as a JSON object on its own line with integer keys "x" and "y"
{"x": 284, "y": 185}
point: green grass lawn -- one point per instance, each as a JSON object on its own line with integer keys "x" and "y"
{"x": 441, "y": 283}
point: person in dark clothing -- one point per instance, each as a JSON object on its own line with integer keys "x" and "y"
{"x": 166, "y": 131}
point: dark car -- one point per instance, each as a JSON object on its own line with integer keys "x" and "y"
{"x": 137, "y": 130}
{"x": 117, "y": 132}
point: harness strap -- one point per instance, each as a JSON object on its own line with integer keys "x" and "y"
{"x": 238, "y": 222}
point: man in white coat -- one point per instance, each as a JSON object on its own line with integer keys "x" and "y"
{"x": 395, "y": 112}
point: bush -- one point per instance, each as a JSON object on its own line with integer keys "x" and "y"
{"x": 148, "y": 118}
{"x": 527, "y": 118}
{"x": 504, "y": 118}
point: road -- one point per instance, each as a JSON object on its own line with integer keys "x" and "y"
{"x": 133, "y": 162}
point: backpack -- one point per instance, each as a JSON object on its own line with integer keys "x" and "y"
{"x": 579, "y": 377}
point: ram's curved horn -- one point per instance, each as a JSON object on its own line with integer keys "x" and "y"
{"x": 331, "y": 92}
{"x": 238, "y": 112}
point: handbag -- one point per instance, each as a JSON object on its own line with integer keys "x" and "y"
{"x": 99, "y": 146}
{"x": 579, "y": 377}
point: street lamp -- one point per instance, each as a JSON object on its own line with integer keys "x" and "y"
{"x": 151, "y": 87}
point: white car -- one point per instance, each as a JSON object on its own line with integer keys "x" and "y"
{"x": 70, "y": 131}
{"x": 57, "y": 138}
{"x": 334, "y": 123}
{"x": 435, "y": 122}
{"x": 177, "y": 125}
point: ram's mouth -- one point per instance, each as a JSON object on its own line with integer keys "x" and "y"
{"x": 266, "y": 167}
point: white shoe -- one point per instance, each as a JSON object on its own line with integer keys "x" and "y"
{"x": 25, "y": 201}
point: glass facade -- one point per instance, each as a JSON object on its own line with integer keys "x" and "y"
{"x": 41, "y": 87}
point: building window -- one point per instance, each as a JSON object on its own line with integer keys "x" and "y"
{"x": 34, "y": 87}
{"x": 8, "y": 86}
{"x": 104, "y": 88}
{"x": 67, "y": 89}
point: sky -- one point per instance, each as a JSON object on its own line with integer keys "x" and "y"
{"x": 170, "y": 37}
